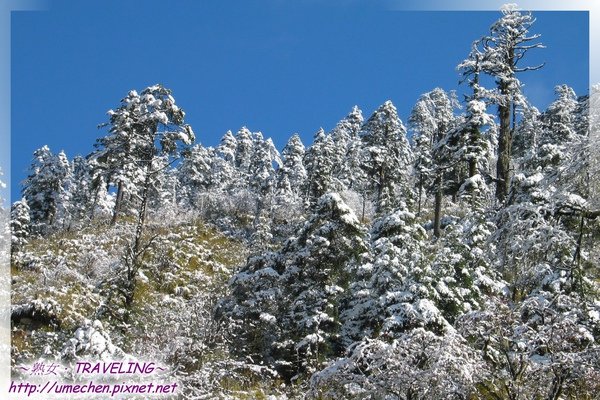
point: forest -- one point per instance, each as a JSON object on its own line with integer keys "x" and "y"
{"x": 454, "y": 256}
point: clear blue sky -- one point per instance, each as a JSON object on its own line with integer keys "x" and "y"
{"x": 275, "y": 66}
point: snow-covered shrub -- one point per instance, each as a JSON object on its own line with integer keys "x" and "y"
{"x": 418, "y": 364}
{"x": 91, "y": 341}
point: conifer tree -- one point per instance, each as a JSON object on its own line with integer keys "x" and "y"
{"x": 244, "y": 150}
{"x": 505, "y": 47}
{"x": 19, "y": 226}
{"x": 293, "y": 172}
{"x": 559, "y": 131}
{"x": 195, "y": 175}
{"x": 285, "y": 304}
{"x": 227, "y": 147}
{"x": 387, "y": 156}
{"x": 431, "y": 120}
{"x": 44, "y": 188}
{"x": 318, "y": 161}
{"x": 527, "y": 137}
{"x": 82, "y": 192}
{"x": 316, "y": 275}
{"x": 145, "y": 128}
{"x": 262, "y": 174}
{"x": 470, "y": 141}
{"x": 344, "y": 137}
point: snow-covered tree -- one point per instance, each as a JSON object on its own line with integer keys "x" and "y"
{"x": 423, "y": 166}
{"x": 319, "y": 161}
{"x": 504, "y": 48}
{"x": 285, "y": 304}
{"x": 244, "y": 149}
{"x": 545, "y": 248}
{"x": 379, "y": 296}
{"x": 431, "y": 119}
{"x": 472, "y": 139}
{"x": 19, "y": 225}
{"x": 195, "y": 175}
{"x": 262, "y": 172}
{"x": 559, "y": 130}
{"x": 227, "y": 147}
{"x": 527, "y": 137}
{"x": 316, "y": 276}
{"x": 432, "y": 116}
{"x": 224, "y": 171}
{"x": 543, "y": 346}
{"x": 44, "y": 189}
{"x": 145, "y": 126}
{"x": 293, "y": 171}
{"x": 417, "y": 365}
{"x": 387, "y": 157}
{"x": 290, "y": 188}
{"x": 345, "y": 136}
{"x": 145, "y": 129}
{"x": 84, "y": 194}
{"x": 252, "y": 308}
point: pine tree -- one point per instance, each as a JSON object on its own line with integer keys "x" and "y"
{"x": 318, "y": 161}
{"x": 262, "y": 174}
{"x": 466, "y": 143}
{"x": 82, "y": 193}
{"x": 244, "y": 150}
{"x": 559, "y": 130}
{"x": 224, "y": 171}
{"x": 316, "y": 276}
{"x": 431, "y": 120}
{"x": 252, "y": 309}
{"x": 526, "y": 138}
{"x": 65, "y": 205}
{"x": 144, "y": 129}
{"x": 353, "y": 175}
{"x": 401, "y": 281}
{"x": 144, "y": 126}
{"x": 285, "y": 305}
{"x": 387, "y": 156}
{"x": 195, "y": 175}
{"x": 293, "y": 172}
{"x": 470, "y": 141}
{"x": 423, "y": 166}
{"x": 227, "y": 147}
{"x": 44, "y": 189}
{"x": 508, "y": 43}
{"x": 19, "y": 225}
{"x": 344, "y": 135}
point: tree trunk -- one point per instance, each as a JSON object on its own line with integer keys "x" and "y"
{"x": 134, "y": 263}
{"x": 420, "y": 193}
{"x": 576, "y": 273}
{"x": 475, "y": 133}
{"x": 505, "y": 135}
{"x": 142, "y": 215}
{"x": 472, "y": 167}
{"x": 380, "y": 185}
{"x": 504, "y": 150}
{"x": 437, "y": 219}
{"x": 118, "y": 203}
{"x": 364, "y": 203}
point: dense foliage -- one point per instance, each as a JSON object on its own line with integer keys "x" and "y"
{"x": 454, "y": 257}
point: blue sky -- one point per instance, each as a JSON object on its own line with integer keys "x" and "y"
{"x": 275, "y": 66}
